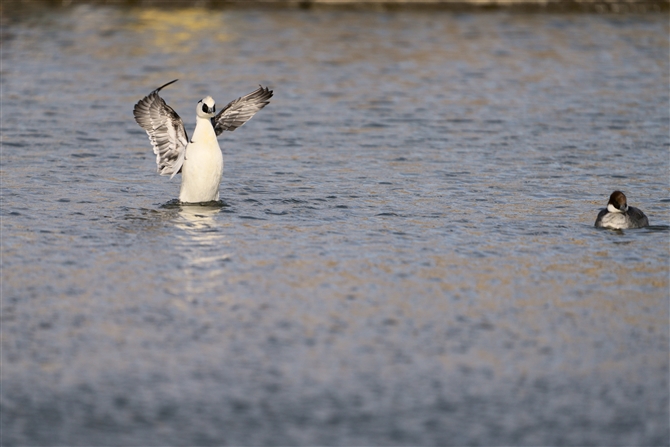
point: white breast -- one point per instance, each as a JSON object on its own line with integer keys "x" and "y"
{"x": 203, "y": 166}
{"x": 617, "y": 221}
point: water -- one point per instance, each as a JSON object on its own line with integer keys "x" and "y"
{"x": 405, "y": 254}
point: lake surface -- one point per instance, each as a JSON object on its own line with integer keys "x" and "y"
{"x": 405, "y": 254}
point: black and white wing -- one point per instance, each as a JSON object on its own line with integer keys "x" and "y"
{"x": 241, "y": 110}
{"x": 165, "y": 129}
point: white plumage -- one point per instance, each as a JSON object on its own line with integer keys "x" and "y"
{"x": 199, "y": 159}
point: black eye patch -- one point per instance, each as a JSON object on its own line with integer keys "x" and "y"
{"x": 205, "y": 108}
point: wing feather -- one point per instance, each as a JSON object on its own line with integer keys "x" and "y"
{"x": 241, "y": 110}
{"x": 165, "y": 129}
{"x": 638, "y": 216}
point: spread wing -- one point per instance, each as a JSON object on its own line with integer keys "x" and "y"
{"x": 165, "y": 129}
{"x": 241, "y": 110}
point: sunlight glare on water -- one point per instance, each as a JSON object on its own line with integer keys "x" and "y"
{"x": 404, "y": 253}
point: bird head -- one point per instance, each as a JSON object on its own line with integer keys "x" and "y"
{"x": 206, "y": 108}
{"x": 617, "y": 203}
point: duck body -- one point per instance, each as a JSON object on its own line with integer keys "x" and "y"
{"x": 619, "y": 216}
{"x": 202, "y": 170}
{"x": 199, "y": 160}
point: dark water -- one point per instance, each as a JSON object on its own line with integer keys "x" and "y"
{"x": 405, "y": 255}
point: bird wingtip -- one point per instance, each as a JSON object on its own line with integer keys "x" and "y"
{"x": 165, "y": 85}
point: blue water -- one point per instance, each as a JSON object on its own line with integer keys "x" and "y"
{"x": 404, "y": 254}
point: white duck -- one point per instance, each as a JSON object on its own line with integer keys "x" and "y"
{"x": 199, "y": 159}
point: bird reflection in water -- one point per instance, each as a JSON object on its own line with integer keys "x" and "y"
{"x": 204, "y": 246}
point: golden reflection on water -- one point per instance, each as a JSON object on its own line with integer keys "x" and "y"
{"x": 566, "y": 305}
{"x": 179, "y": 31}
